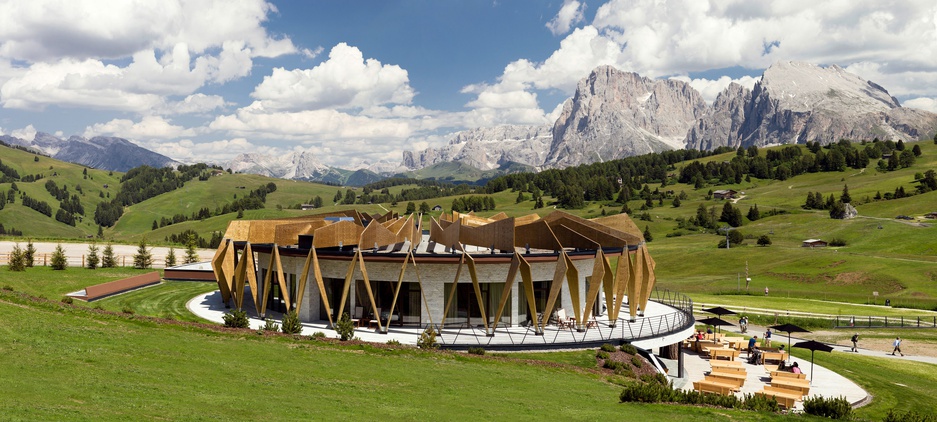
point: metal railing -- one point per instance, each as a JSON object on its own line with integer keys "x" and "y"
{"x": 593, "y": 334}
{"x": 885, "y": 322}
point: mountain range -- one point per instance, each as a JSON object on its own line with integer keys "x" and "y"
{"x": 100, "y": 152}
{"x": 615, "y": 114}
{"x": 612, "y": 114}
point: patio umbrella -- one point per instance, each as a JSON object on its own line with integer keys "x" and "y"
{"x": 789, "y": 328}
{"x": 719, "y": 311}
{"x": 715, "y": 322}
{"x": 813, "y": 346}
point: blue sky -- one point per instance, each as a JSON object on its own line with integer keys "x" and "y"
{"x": 356, "y": 82}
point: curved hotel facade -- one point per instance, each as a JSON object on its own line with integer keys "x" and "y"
{"x": 498, "y": 281}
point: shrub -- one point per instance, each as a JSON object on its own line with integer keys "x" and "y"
{"x": 648, "y": 393}
{"x": 270, "y": 325}
{"x": 476, "y": 351}
{"x": 615, "y": 365}
{"x": 236, "y": 319}
{"x": 624, "y": 371}
{"x": 67, "y": 300}
{"x": 629, "y": 349}
{"x": 318, "y": 335}
{"x": 291, "y": 324}
{"x": 601, "y": 354}
{"x": 837, "y": 242}
{"x": 658, "y": 378}
{"x": 427, "y": 339}
{"x": 127, "y": 310}
{"x": 345, "y": 327}
{"x": 833, "y": 408}
{"x": 608, "y": 348}
{"x": 910, "y": 416}
{"x": 637, "y": 362}
{"x": 8, "y": 287}
{"x": 393, "y": 342}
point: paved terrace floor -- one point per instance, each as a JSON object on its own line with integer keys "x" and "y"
{"x": 661, "y": 325}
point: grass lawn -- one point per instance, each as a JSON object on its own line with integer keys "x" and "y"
{"x": 72, "y": 363}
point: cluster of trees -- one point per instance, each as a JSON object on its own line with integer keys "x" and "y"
{"x": 8, "y": 174}
{"x": 12, "y": 231}
{"x": 253, "y": 201}
{"x": 42, "y": 207}
{"x": 473, "y": 203}
{"x": 424, "y": 207}
{"x": 425, "y": 189}
{"x": 189, "y": 236}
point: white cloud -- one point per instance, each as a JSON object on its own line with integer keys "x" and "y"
{"x": 570, "y": 14}
{"x": 149, "y": 127}
{"x": 922, "y": 103}
{"x": 27, "y": 133}
{"x": 44, "y": 30}
{"x": 345, "y": 80}
{"x": 195, "y": 104}
{"x": 711, "y": 88}
{"x": 70, "y": 52}
{"x": 218, "y": 151}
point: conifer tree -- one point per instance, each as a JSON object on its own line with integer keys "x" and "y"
{"x": 93, "y": 259}
{"x": 29, "y": 255}
{"x": 108, "y": 260}
{"x": 171, "y": 257}
{"x": 59, "y": 262}
{"x": 647, "y": 234}
{"x": 17, "y": 259}
{"x": 845, "y": 198}
{"x": 143, "y": 259}
{"x": 191, "y": 255}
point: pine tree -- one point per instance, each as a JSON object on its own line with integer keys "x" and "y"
{"x": 143, "y": 259}
{"x": 17, "y": 259}
{"x": 29, "y": 255}
{"x": 171, "y": 257}
{"x": 625, "y": 209}
{"x": 676, "y": 202}
{"x": 59, "y": 262}
{"x": 411, "y": 208}
{"x": 191, "y": 255}
{"x": 753, "y": 213}
{"x": 538, "y": 203}
{"x": 764, "y": 240}
{"x": 647, "y": 234}
{"x": 520, "y": 197}
{"x": 155, "y": 225}
{"x": 108, "y": 260}
{"x": 845, "y": 198}
{"x": 93, "y": 259}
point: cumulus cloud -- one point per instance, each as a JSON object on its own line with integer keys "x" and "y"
{"x": 68, "y": 56}
{"x": 922, "y": 103}
{"x": 345, "y": 80}
{"x": 711, "y": 88}
{"x": 27, "y": 133}
{"x": 45, "y": 30}
{"x": 195, "y": 104}
{"x": 890, "y": 45}
{"x": 149, "y": 127}
{"x": 570, "y": 14}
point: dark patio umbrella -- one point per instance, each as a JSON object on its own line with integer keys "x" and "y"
{"x": 719, "y": 311}
{"x": 789, "y": 328}
{"x": 715, "y": 322}
{"x": 813, "y": 346}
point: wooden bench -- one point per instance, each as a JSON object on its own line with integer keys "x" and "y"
{"x": 736, "y": 378}
{"x": 735, "y": 383}
{"x": 776, "y": 356}
{"x": 785, "y": 374}
{"x": 792, "y": 384}
{"x": 783, "y": 400}
{"x": 784, "y": 391}
{"x": 711, "y": 387}
{"x": 727, "y": 368}
{"x": 729, "y": 354}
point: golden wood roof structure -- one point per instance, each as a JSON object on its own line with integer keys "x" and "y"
{"x": 461, "y": 239}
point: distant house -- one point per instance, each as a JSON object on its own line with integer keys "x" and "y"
{"x": 724, "y": 194}
{"x": 437, "y": 208}
{"x": 307, "y": 207}
{"x": 931, "y": 215}
{"x": 814, "y": 243}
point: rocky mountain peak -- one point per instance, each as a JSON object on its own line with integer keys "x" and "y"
{"x": 799, "y": 87}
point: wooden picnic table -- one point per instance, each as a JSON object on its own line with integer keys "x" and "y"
{"x": 729, "y": 354}
{"x": 792, "y": 384}
{"x": 732, "y": 384}
{"x": 778, "y": 356}
{"x": 734, "y": 377}
{"x": 734, "y": 342}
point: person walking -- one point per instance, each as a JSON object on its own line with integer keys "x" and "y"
{"x": 897, "y": 345}
{"x": 855, "y": 342}
{"x": 768, "y": 338}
